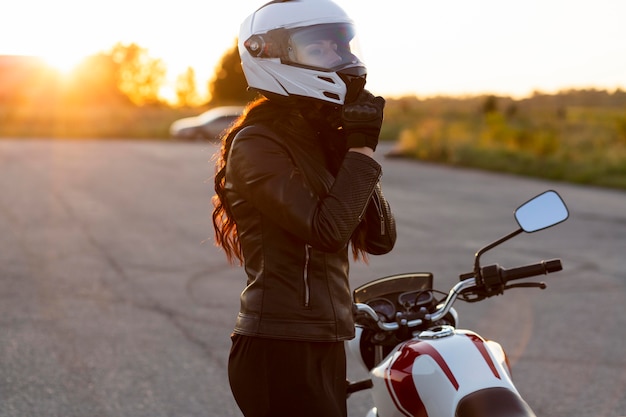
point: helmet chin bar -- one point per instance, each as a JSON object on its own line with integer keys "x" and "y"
{"x": 354, "y": 78}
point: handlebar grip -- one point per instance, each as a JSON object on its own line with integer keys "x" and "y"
{"x": 541, "y": 268}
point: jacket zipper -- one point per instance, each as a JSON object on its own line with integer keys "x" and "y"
{"x": 372, "y": 193}
{"x": 307, "y": 290}
{"x": 381, "y": 215}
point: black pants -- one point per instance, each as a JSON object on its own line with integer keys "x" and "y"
{"x": 282, "y": 378}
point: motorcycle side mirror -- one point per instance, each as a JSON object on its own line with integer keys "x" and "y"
{"x": 543, "y": 211}
{"x": 538, "y": 213}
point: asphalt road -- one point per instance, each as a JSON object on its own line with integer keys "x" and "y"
{"x": 114, "y": 301}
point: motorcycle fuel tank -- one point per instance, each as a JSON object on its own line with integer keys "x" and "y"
{"x": 421, "y": 376}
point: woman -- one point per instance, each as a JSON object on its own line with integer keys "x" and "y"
{"x": 296, "y": 185}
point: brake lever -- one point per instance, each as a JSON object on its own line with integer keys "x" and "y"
{"x": 541, "y": 285}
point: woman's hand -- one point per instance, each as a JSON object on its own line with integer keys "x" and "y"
{"x": 362, "y": 120}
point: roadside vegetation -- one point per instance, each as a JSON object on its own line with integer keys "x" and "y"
{"x": 576, "y": 136}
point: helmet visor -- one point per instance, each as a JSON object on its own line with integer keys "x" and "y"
{"x": 325, "y": 47}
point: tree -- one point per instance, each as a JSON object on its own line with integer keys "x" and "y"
{"x": 186, "y": 90}
{"x": 229, "y": 85}
{"x": 490, "y": 105}
{"x": 140, "y": 76}
{"x": 95, "y": 81}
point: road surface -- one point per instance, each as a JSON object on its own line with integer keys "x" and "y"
{"x": 114, "y": 301}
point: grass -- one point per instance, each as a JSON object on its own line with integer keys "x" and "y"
{"x": 90, "y": 122}
{"x": 584, "y": 145}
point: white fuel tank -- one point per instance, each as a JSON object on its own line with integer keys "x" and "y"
{"x": 428, "y": 375}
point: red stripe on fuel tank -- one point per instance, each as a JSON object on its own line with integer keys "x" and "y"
{"x": 480, "y": 345}
{"x": 399, "y": 377}
{"x": 402, "y": 390}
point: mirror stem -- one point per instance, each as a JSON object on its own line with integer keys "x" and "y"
{"x": 477, "y": 273}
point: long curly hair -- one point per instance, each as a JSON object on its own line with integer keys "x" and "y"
{"x": 276, "y": 115}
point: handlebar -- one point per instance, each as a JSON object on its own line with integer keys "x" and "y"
{"x": 540, "y": 268}
{"x": 441, "y": 311}
{"x": 492, "y": 276}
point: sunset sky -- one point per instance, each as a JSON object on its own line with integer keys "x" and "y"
{"x": 417, "y": 47}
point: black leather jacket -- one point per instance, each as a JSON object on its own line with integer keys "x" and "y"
{"x": 294, "y": 221}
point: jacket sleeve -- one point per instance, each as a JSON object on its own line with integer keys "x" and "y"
{"x": 261, "y": 171}
{"x": 380, "y": 237}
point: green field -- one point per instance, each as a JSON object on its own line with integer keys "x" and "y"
{"x": 575, "y": 137}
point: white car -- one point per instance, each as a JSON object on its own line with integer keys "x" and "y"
{"x": 207, "y": 125}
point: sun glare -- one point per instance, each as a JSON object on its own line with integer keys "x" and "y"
{"x": 64, "y": 63}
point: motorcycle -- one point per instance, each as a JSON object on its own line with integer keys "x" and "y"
{"x": 419, "y": 363}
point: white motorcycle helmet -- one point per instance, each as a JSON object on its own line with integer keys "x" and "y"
{"x": 284, "y": 50}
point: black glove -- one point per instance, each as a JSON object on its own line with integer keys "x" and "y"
{"x": 362, "y": 119}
